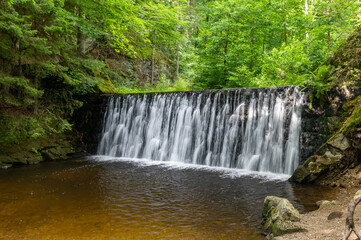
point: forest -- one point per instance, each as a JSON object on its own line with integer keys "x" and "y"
{"x": 54, "y": 53}
{"x": 178, "y": 119}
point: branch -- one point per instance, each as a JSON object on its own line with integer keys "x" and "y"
{"x": 350, "y": 225}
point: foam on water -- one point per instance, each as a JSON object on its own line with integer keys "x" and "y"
{"x": 172, "y": 165}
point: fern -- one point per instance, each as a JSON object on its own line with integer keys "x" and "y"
{"x": 319, "y": 83}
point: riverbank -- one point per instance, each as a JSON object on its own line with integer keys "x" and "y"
{"x": 328, "y": 222}
{"x": 34, "y": 151}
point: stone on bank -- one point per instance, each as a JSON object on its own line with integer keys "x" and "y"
{"x": 279, "y": 216}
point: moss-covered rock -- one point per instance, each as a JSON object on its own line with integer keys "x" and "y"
{"x": 339, "y": 154}
{"x": 279, "y": 216}
{"x": 57, "y": 153}
{"x": 301, "y": 174}
{"x": 21, "y": 158}
{"x": 35, "y": 151}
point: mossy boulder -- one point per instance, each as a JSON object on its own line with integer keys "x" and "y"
{"x": 280, "y": 216}
{"x": 339, "y": 154}
{"x": 318, "y": 164}
{"x": 21, "y": 158}
{"x": 36, "y": 151}
{"x": 301, "y": 174}
{"x": 59, "y": 152}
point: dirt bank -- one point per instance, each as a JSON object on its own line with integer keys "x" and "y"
{"x": 319, "y": 226}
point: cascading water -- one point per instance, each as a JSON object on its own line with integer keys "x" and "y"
{"x": 257, "y": 129}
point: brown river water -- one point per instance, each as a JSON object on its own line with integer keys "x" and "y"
{"x": 131, "y": 199}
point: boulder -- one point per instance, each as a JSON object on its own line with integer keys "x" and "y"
{"x": 334, "y": 215}
{"x": 57, "y": 153}
{"x": 317, "y": 165}
{"x": 328, "y": 158}
{"x": 323, "y": 203}
{"x": 339, "y": 141}
{"x": 301, "y": 174}
{"x": 280, "y": 216}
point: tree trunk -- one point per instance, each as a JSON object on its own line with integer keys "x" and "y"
{"x": 81, "y": 37}
{"x": 177, "y": 67}
{"x": 329, "y": 25}
{"x": 16, "y": 68}
{"x": 252, "y": 50}
{"x": 81, "y": 41}
{"x": 285, "y": 31}
{"x": 153, "y": 56}
{"x": 225, "y": 58}
{"x": 350, "y": 225}
{"x": 37, "y": 86}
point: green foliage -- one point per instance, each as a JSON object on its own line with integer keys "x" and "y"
{"x": 320, "y": 82}
{"x": 243, "y": 43}
{"x": 287, "y": 65}
{"x": 107, "y": 87}
{"x": 164, "y": 85}
{"x": 25, "y": 94}
{"x": 17, "y": 128}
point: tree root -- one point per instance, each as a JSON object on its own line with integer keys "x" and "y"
{"x": 350, "y": 225}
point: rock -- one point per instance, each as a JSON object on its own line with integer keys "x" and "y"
{"x": 328, "y": 158}
{"x": 280, "y": 227}
{"x": 269, "y": 237}
{"x": 334, "y": 215}
{"x": 5, "y": 166}
{"x": 300, "y": 175}
{"x": 332, "y": 122}
{"x": 57, "y": 153}
{"x": 339, "y": 141}
{"x": 315, "y": 166}
{"x": 270, "y": 202}
{"x": 21, "y": 158}
{"x": 280, "y": 216}
{"x": 323, "y": 203}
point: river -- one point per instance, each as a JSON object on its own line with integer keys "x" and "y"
{"x": 118, "y": 198}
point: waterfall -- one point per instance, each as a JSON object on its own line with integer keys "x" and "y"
{"x": 254, "y": 129}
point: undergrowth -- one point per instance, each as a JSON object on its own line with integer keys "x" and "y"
{"x": 18, "y": 127}
{"x": 164, "y": 85}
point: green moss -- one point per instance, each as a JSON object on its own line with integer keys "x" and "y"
{"x": 350, "y": 117}
{"x": 300, "y": 174}
{"x": 163, "y": 85}
{"x": 107, "y": 86}
{"x": 354, "y": 120}
{"x": 351, "y": 104}
{"x": 49, "y": 148}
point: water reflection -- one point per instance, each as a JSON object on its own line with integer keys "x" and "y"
{"x": 85, "y": 199}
